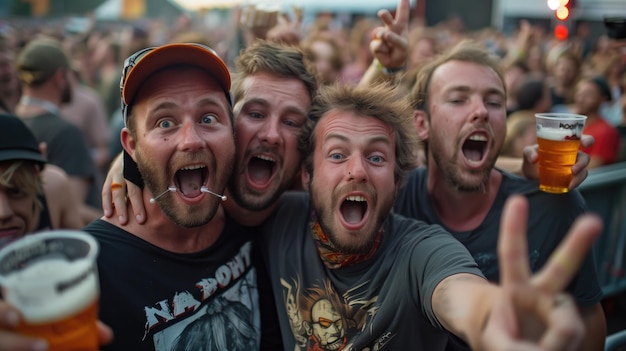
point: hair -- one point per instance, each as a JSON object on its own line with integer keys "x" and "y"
{"x": 382, "y": 102}
{"x": 22, "y": 175}
{"x": 282, "y": 60}
{"x": 336, "y": 59}
{"x": 466, "y": 51}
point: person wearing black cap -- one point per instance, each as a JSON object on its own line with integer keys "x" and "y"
{"x": 589, "y": 95}
{"x": 32, "y": 197}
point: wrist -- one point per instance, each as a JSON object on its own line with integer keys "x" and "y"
{"x": 387, "y": 70}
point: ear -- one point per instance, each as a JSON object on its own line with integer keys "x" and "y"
{"x": 421, "y": 123}
{"x": 128, "y": 142}
{"x": 305, "y": 177}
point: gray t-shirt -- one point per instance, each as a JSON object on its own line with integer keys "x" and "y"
{"x": 382, "y": 303}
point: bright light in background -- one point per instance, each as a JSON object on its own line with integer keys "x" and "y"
{"x": 554, "y": 4}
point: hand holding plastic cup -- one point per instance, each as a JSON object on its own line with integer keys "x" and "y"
{"x": 558, "y": 136}
{"x": 52, "y": 279}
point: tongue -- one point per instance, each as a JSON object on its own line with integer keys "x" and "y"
{"x": 352, "y": 211}
{"x": 472, "y": 155}
{"x": 190, "y": 182}
{"x": 260, "y": 170}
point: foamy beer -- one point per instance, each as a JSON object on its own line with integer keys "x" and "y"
{"x": 558, "y": 136}
{"x": 52, "y": 279}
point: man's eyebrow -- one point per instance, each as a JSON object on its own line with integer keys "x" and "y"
{"x": 467, "y": 88}
{"x": 372, "y": 140}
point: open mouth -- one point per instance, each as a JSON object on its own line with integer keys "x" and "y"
{"x": 190, "y": 179}
{"x": 474, "y": 147}
{"x": 260, "y": 169}
{"x": 353, "y": 209}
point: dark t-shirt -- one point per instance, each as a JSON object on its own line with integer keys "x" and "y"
{"x": 550, "y": 217}
{"x": 382, "y": 303}
{"x": 214, "y": 299}
{"x": 66, "y": 148}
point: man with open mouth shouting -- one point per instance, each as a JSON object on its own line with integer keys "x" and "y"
{"x": 460, "y": 113}
{"x": 349, "y": 274}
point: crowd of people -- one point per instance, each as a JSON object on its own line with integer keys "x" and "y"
{"x": 324, "y": 182}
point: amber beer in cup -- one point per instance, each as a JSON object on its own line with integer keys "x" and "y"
{"x": 52, "y": 278}
{"x": 558, "y": 136}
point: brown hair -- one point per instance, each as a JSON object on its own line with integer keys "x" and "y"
{"x": 22, "y": 175}
{"x": 382, "y": 102}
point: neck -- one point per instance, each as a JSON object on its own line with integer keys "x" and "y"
{"x": 244, "y": 216}
{"x": 160, "y": 231}
{"x": 33, "y": 104}
{"x": 451, "y": 204}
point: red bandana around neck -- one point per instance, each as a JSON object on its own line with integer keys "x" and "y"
{"x": 331, "y": 257}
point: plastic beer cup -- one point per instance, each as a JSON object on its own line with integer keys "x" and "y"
{"x": 558, "y": 136}
{"x": 52, "y": 278}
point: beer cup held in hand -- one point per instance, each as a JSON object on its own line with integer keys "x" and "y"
{"x": 558, "y": 136}
{"x": 52, "y": 279}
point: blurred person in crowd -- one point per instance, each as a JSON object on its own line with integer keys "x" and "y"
{"x": 44, "y": 69}
{"x": 565, "y": 74}
{"x": 360, "y": 56}
{"x": 10, "y": 89}
{"x": 107, "y": 60}
{"x": 589, "y": 96}
{"x": 34, "y": 196}
{"x": 460, "y": 113}
{"x": 86, "y": 111}
{"x": 514, "y": 74}
{"x": 422, "y": 48}
{"x": 520, "y": 132}
{"x": 323, "y": 51}
{"x": 349, "y": 274}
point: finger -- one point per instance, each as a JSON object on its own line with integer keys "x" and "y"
{"x": 10, "y": 341}
{"x": 567, "y": 258}
{"x": 402, "y": 15}
{"x": 531, "y": 153}
{"x": 512, "y": 242}
{"x": 587, "y": 140}
{"x": 565, "y": 329}
{"x": 582, "y": 162}
{"x": 135, "y": 195}
{"x": 105, "y": 334}
{"x": 385, "y": 17}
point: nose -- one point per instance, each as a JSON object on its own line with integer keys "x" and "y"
{"x": 480, "y": 113}
{"x": 357, "y": 171}
{"x": 270, "y": 132}
{"x": 190, "y": 138}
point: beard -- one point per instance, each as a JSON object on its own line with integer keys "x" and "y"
{"x": 366, "y": 237}
{"x": 156, "y": 180}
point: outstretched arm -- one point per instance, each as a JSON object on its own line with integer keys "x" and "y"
{"x": 524, "y": 312}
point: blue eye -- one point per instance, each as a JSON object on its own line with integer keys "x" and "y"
{"x": 377, "y": 159}
{"x": 208, "y": 119}
{"x": 165, "y": 124}
{"x": 336, "y": 156}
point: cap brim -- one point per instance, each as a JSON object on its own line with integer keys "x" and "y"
{"x": 12, "y": 155}
{"x": 173, "y": 55}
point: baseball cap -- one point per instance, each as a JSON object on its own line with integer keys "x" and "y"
{"x": 142, "y": 64}
{"x": 39, "y": 60}
{"x": 17, "y": 142}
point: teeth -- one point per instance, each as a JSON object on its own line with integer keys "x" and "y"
{"x": 478, "y": 137}
{"x": 357, "y": 198}
{"x": 189, "y": 168}
{"x": 265, "y": 158}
